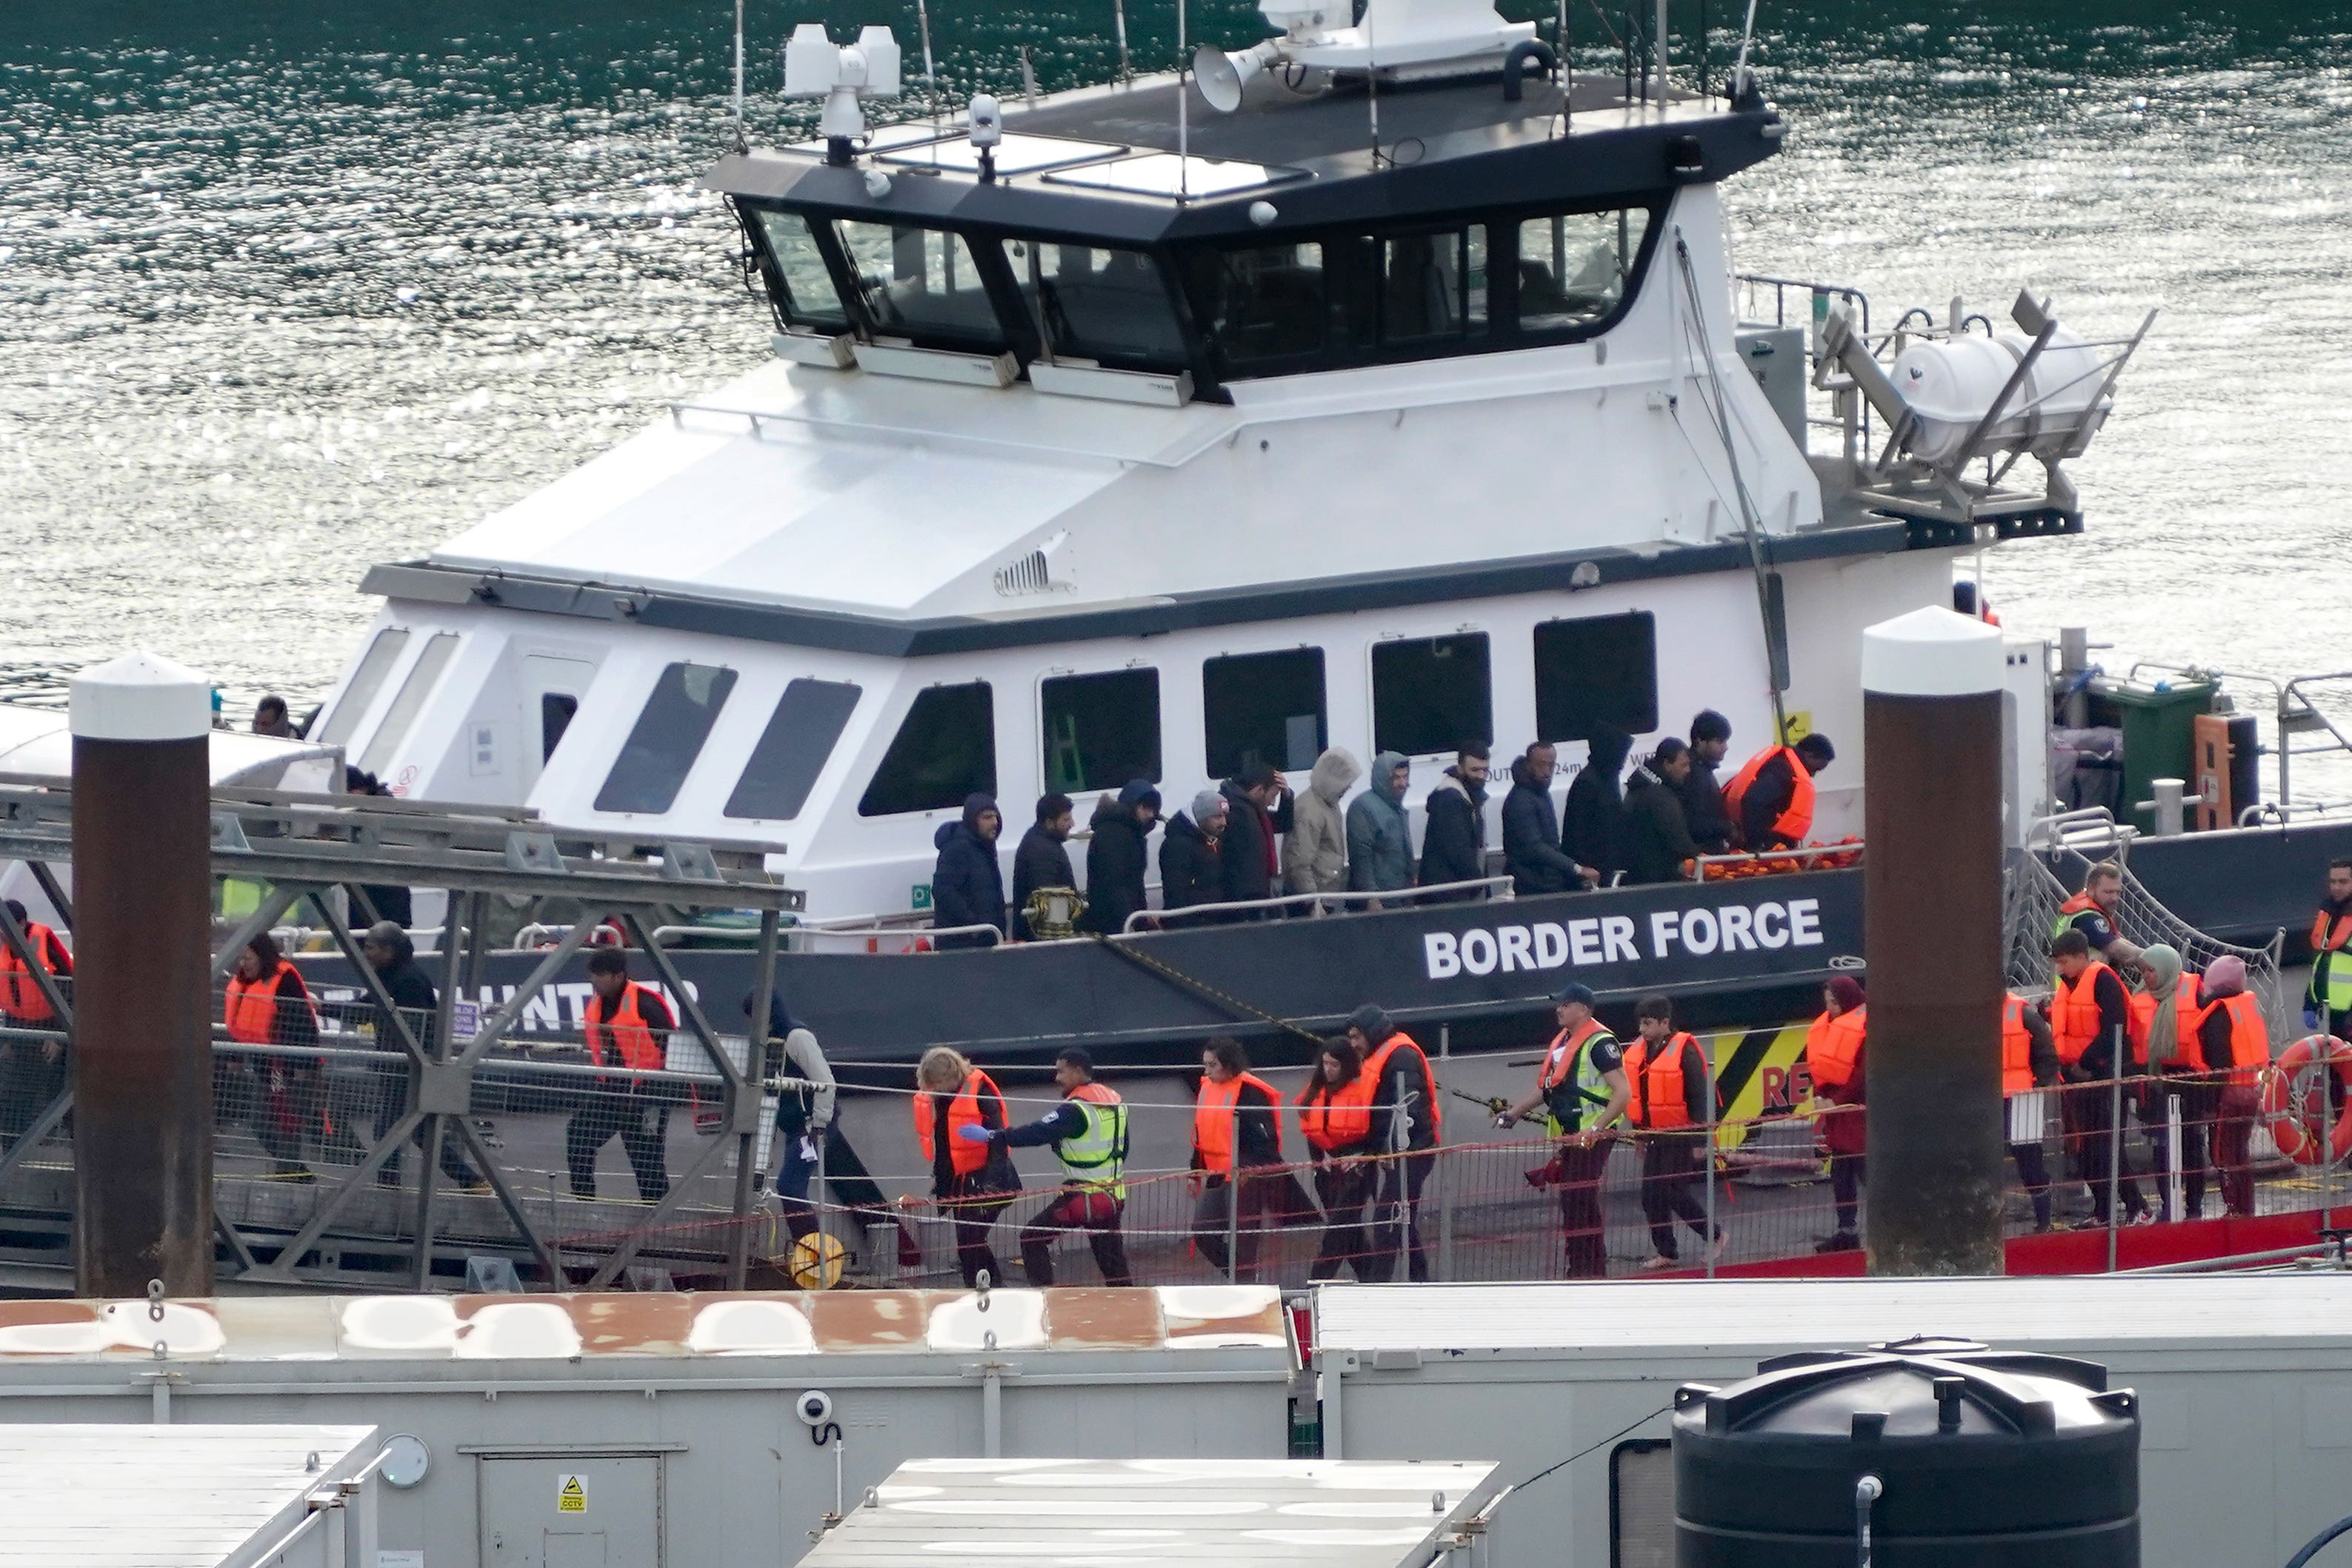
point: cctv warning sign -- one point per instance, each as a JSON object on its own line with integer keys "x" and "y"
{"x": 572, "y": 1495}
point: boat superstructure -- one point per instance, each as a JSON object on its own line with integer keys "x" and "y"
{"x": 1402, "y": 405}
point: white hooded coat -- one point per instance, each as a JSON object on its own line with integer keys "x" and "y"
{"x": 1314, "y": 851}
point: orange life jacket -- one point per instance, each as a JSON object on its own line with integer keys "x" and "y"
{"x": 1796, "y": 819}
{"x": 1212, "y": 1118}
{"x": 251, "y": 1013}
{"x": 1340, "y": 1118}
{"x": 1660, "y": 1102}
{"x": 2075, "y": 1013}
{"x": 1559, "y": 1057}
{"x": 1832, "y": 1045}
{"x": 626, "y": 1038}
{"x": 965, "y": 1155}
{"x": 2016, "y": 1048}
{"x": 20, "y": 994}
{"x": 2327, "y": 938}
{"x": 2187, "y": 1015}
{"x": 2250, "y": 1038}
{"x": 1378, "y": 1062}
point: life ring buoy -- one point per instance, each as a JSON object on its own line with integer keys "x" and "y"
{"x": 2294, "y": 1100}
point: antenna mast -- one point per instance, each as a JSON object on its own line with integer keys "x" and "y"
{"x": 742, "y": 134}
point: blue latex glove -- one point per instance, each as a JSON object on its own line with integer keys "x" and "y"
{"x": 972, "y": 1133}
{"x": 2311, "y": 1018}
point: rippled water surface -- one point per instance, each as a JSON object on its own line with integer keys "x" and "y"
{"x": 287, "y": 290}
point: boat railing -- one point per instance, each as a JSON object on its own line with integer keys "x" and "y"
{"x": 2092, "y": 833}
{"x": 1763, "y": 858}
{"x": 1318, "y": 903}
{"x": 2294, "y": 712}
{"x": 1817, "y": 295}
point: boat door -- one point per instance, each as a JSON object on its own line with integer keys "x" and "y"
{"x": 552, "y": 689}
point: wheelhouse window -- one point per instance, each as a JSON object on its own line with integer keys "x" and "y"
{"x": 1431, "y": 695}
{"x": 384, "y": 746}
{"x": 1263, "y": 707}
{"x": 1574, "y": 267}
{"x": 367, "y": 681}
{"x": 800, "y": 736}
{"x": 666, "y": 739}
{"x": 1601, "y": 670}
{"x": 944, "y": 750}
{"x": 1108, "y": 305}
{"x": 1343, "y": 298}
{"x": 1100, "y": 730}
{"x": 921, "y": 283}
{"x": 807, "y": 297}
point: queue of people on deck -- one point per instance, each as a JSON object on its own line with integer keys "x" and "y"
{"x": 1253, "y": 838}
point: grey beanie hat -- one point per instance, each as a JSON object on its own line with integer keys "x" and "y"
{"x": 1205, "y": 805}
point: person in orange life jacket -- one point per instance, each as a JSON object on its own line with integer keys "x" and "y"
{"x": 267, "y": 1004}
{"x": 2029, "y": 1061}
{"x": 32, "y": 1072}
{"x": 1405, "y": 1117}
{"x": 2097, "y": 913}
{"x": 2233, "y": 1011}
{"x": 973, "y": 1181}
{"x": 1581, "y": 1088}
{"x": 2328, "y": 1000}
{"x": 1237, "y": 1147}
{"x": 1833, "y": 1049}
{"x": 1771, "y": 798}
{"x": 1092, "y": 1197}
{"x": 1672, "y": 1109}
{"x": 2164, "y": 1030}
{"x": 1335, "y": 1114}
{"x": 628, "y": 1028}
{"x": 390, "y": 953}
{"x": 2089, "y": 1014}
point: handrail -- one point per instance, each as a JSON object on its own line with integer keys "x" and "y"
{"x": 1746, "y": 857}
{"x": 2059, "y": 831}
{"x": 1810, "y": 285}
{"x": 1156, "y": 919}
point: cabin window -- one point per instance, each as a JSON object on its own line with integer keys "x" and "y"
{"x": 1600, "y": 669}
{"x": 1343, "y": 299}
{"x": 800, "y": 736}
{"x": 1100, "y": 730}
{"x": 1265, "y": 303}
{"x": 1574, "y": 267}
{"x": 367, "y": 681}
{"x": 666, "y": 739}
{"x": 921, "y": 283}
{"x": 1263, "y": 707}
{"x": 1107, "y": 304}
{"x": 1431, "y": 695}
{"x": 1642, "y": 1504}
{"x": 945, "y": 750}
{"x": 1432, "y": 285}
{"x": 808, "y": 296}
{"x": 556, "y": 712}
{"x": 408, "y": 702}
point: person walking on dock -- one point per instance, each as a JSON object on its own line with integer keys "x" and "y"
{"x": 1833, "y": 1050}
{"x": 32, "y": 1072}
{"x": 1582, "y": 1091}
{"x": 2091, "y": 1016}
{"x": 2029, "y": 1069}
{"x": 1406, "y": 1122}
{"x": 972, "y": 1179}
{"x": 628, "y": 1028}
{"x": 1043, "y": 859}
{"x": 1237, "y": 1149}
{"x": 265, "y": 1003}
{"x": 2328, "y": 1000}
{"x": 2233, "y": 1045}
{"x": 2097, "y": 913}
{"x": 390, "y": 953}
{"x": 1087, "y": 1132}
{"x": 1335, "y": 1114}
{"x": 1672, "y": 1108}
{"x": 1380, "y": 840}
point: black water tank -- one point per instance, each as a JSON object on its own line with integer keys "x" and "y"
{"x": 1983, "y": 1459}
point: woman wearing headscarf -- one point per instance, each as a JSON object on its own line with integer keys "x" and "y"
{"x": 1833, "y": 1059}
{"x": 2236, "y": 1045}
{"x": 2165, "y": 1014}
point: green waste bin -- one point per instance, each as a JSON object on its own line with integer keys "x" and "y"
{"x": 2158, "y": 724}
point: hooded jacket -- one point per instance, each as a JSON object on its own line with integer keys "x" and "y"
{"x": 1042, "y": 861}
{"x": 1380, "y": 840}
{"x": 1531, "y": 851}
{"x": 1315, "y": 852}
{"x": 1656, "y": 840}
{"x": 1454, "y": 845}
{"x": 1116, "y": 858}
{"x": 1248, "y": 852}
{"x": 1704, "y": 810}
{"x": 967, "y": 884}
{"x": 1191, "y": 865}
{"x": 1590, "y": 826}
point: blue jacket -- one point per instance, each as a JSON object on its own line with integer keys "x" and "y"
{"x": 968, "y": 884}
{"x": 1380, "y": 840}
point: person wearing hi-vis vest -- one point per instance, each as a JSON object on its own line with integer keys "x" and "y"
{"x": 627, "y": 1028}
{"x": 1087, "y": 1132}
{"x": 1237, "y": 1150}
{"x": 2097, "y": 913}
{"x": 1833, "y": 1047}
{"x": 1672, "y": 1109}
{"x": 1581, "y": 1089}
{"x": 2327, "y": 1001}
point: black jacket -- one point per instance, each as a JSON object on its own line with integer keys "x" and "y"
{"x": 1114, "y": 862}
{"x": 1704, "y": 812}
{"x": 967, "y": 885}
{"x": 1400, "y": 1084}
{"x": 1246, "y": 850}
{"x": 413, "y": 995}
{"x": 1531, "y": 851}
{"x": 1454, "y": 845}
{"x": 1042, "y": 861}
{"x": 1191, "y": 869}
{"x": 1592, "y": 819}
{"x": 1656, "y": 841}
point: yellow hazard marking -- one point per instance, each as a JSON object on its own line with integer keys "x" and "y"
{"x": 572, "y": 1496}
{"x": 1774, "y": 1085}
{"x": 1796, "y": 727}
